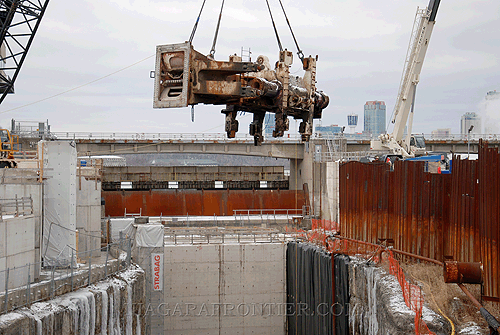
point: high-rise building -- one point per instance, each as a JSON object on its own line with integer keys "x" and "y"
{"x": 492, "y": 95}
{"x": 374, "y": 118}
{"x": 269, "y": 124}
{"x": 492, "y": 110}
{"x": 331, "y": 129}
{"x": 441, "y": 133}
{"x": 470, "y": 119}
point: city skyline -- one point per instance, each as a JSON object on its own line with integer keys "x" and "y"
{"x": 76, "y": 45}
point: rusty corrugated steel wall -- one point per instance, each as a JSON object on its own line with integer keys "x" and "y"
{"x": 198, "y": 202}
{"x": 432, "y": 215}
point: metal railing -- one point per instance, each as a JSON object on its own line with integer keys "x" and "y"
{"x": 260, "y": 212}
{"x": 16, "y": 206}
{"x": 270, "y": 215}
{"x": 19, "y": 286}
{"x": 220, "y": 137}
{"x": 224, "y": 236}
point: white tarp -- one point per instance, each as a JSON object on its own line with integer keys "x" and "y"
{"x": 150, "y": 236}
{"x": 124, "y": 225}
{"x": 59, "y": 221}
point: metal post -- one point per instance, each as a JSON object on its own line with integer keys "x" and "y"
{"x": 121, "y": 240}
{"x": 28, "y": 288}
{"x": 107, "y": 255}
{"x": 6, "y": 289}
{"x": 129, "y": 252}
{"x": 90, "y": 267}
{"x": 72, "y": 256}
{"x": 52, "y": 283}
{"x": 17, "y": 207}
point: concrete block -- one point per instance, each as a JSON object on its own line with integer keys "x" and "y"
{"x": 20, "y": 234}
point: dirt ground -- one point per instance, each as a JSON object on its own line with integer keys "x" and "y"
{"x": 448, "y": 299}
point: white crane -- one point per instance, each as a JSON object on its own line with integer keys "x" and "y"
{"x": 403, "y": 110}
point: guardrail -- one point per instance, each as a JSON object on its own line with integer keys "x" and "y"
{"x": 214, "y": 236}
{"x": 119, "y": 136}
{"x": 221, "y": 137}
{"x": 16, "y": 206}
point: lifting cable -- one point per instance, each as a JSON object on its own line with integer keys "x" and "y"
{"x": 212, "y": 51}
{"x": 274, "y": 26}
{"x": 299, "y": 52}
{"x": 196, "y": 23}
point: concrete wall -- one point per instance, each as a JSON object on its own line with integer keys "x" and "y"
{"x": 17, "y": 249}
{"x": 219, "y": 289}
{"x": 24, "y": 183}
{"x": 113, "y": 306}
{"x": 239, "y": 278}
{"x": 88, "y": 212}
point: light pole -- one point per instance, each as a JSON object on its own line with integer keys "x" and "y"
{"x": 468, "y": 140}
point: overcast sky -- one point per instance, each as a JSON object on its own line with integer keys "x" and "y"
{"x": 361, "y": 46}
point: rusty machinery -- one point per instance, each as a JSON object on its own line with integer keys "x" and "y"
{"x": 184, "y": 76}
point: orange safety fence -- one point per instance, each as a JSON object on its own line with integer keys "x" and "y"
{"x": 412, "y": 294}
{"x": 325, "y": 225}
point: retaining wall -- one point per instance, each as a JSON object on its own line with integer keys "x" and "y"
{"x": 112, "y": 306}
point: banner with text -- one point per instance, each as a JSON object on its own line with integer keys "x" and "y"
{"x": 157, "y": 271}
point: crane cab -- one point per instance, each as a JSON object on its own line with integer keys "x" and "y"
{"x": 417, "y": 145}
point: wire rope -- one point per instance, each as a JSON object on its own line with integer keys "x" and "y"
{"x": 212, "y": 51}
{"x": 196, "y": 23}
{"x": 299, "y": 51}
{"x": 274, "y": 26}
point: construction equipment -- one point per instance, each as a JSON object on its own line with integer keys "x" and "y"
{"x": 396, "y": 142}
{"x": 184, "y": 76}
{"x": 19, "y": 21}
{"x": 9, "y": 145}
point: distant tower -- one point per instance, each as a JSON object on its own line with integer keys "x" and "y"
{"x": 374, "y": 118}
{"x": 352, "y": 122}
{"x": 468, "y": 120}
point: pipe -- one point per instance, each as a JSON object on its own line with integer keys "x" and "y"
{"x": 490, "y": 319}
{"x": 430, "y": 260}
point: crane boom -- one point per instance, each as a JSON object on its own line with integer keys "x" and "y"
{"x": 19, "y": 21}
{"x": 419, "y": 42}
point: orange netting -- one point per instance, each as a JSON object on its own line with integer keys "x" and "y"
{"x": 325, "y": 225}
{"x": 412, "y": 293}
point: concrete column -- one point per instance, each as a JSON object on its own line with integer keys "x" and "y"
{"x": 88, "y": 211}
{"x": 301, "y": 172}
{"x": 330, "y": 198}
